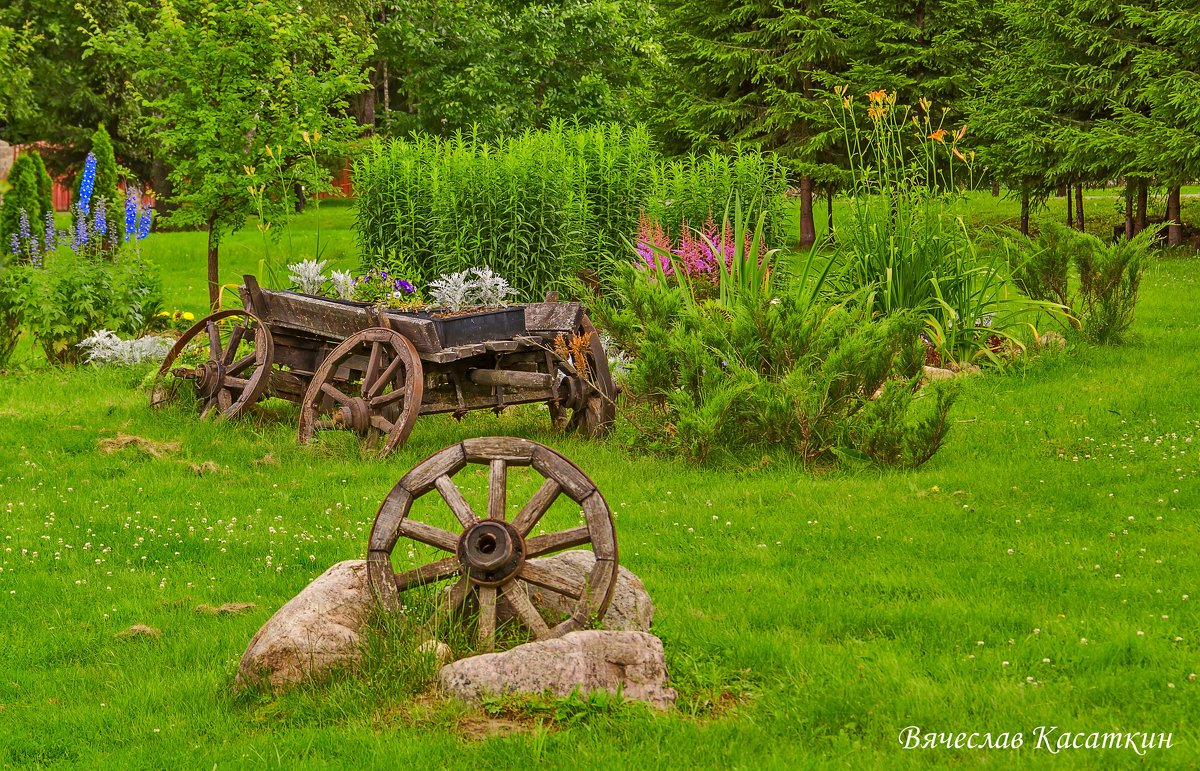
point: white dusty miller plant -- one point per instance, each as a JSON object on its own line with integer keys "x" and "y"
{"x": 456, "y": 291}
{"x": 308, "y": 275}
{"x": 104, "y": 347}
{"x": 343, "y": 284}
{"x": 453, "y": 291}
{"x": 491, "y": 289}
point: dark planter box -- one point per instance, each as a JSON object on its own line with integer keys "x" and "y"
{"x": 467, "y": 328}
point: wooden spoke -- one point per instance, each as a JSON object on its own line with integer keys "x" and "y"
{"x": 381, "y": 382}
{"x": 389, "y": 398}
{"x": 455, "y": 500}
{"x": 487, "y": 618}
{"x": 382, "y": 423}
{"x": 428, "y": 574}
{"x": 538, "y": 505}
{"x": 214, "y": 342}
{"x": 429, "y": 535}
{"x": 550, "y": 543}
{"x": 241, "y": 365}
{"x": 224, "y": 399}
{"x": 373, "y": 362}
{"x": 456, "y": 599}
{"x": 329, "y": 390}
{"x": 517, "y": 597}
{"x": 240, "y": 384}
{"x": 327, "y": 423}
{"x": 497, "y": 488}
{"x": 566, "y": 585}
{"x": 235, "y": 339}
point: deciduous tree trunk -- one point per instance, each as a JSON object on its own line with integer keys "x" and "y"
{"x": 995, "y": 188}
{"x": 808, "y": 229}
{"x": 214, "y": 280}
{"x": 1079, "y": 206}
{"x": 1024, "y": 213}
{"x": 1174, "y": 218}
{"x": 1070, "y": 209}
{"x": 1143, "y": 193}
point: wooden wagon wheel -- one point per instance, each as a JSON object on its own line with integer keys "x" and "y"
{"x": 371, "y": 384}
{"x": 233, "y": 378}
{"x": 589, "y": 391}
{"x": 489, "y": 557}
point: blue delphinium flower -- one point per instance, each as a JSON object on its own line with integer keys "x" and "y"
{"x": 14, "y": 246}
{"x": 51, "y": 233}
{"x": 131, "y": 213}
{"x": 88, "y": 183}
{"x": 144, "y": 221}
{"x": 100, "y": 219}
{"x": 79, "y": 237}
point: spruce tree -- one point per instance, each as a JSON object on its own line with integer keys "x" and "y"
{"x": 45, "y": 188}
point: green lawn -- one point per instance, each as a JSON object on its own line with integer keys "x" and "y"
{"x": 1037, "y": 572}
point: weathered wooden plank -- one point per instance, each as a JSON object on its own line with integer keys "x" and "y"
{"x": 537, "y": 506}
{"x": 422, "y": 333}
{"x": 500, "y": 346}
{"x": 439, "y": 401}
{"x": 555, "y": 542}
{"x": 601, "y": 582}
{"x": 511, "y": 378}
{"x": 600, "y": 526}
{"x": 487, "y": 618}
{"x": 455, "y": 500}
{"x": 513, "y": 450}
{"x": 517, "y": 598}
{"x": 428, "y": 534}
{"x": 553, "y": 317}
{"x": 444, "y": 463}
{"x": 497, "y": 488}
{"x": 427, "y": 574}
{"x": 382, "y": 579}
{"x": 568, "y": 585}
{"x": 385, "y": 531}
{"x": 552, "y": 465}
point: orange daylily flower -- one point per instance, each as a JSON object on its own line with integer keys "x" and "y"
{"x": 962, "y": 132}
{"x": 939, "y": 135}
{"x": 957, "y": 154}
{"x": 877, "y": 97}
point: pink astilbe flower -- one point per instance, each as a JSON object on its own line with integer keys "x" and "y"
{"x": 653, "y": 246}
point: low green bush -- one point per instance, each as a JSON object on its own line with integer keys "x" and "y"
{"x": 71, "y": 297}
{"x": 769, "y": 362}
{"x": 1110, "y": 274}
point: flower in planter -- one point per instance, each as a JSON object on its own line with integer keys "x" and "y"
{"x": 379, "y": 288}
{"x": 343, "y": 284}
{"x": 453, "y": 291}
{"x": 308, "y": 275}
{"x": 491, "y": 289}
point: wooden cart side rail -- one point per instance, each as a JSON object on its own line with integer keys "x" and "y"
{"x": 331, "y": 320}
{"x": 553, "y": 317}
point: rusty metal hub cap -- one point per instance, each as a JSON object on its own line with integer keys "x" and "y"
{"x": 492, "y": 551}
{"x": 209, "y": 377}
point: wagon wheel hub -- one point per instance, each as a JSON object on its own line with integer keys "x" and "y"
{"x": 491, "y": 552}
{"x": 210, "y": 376}
{"x": 357, "y": 415}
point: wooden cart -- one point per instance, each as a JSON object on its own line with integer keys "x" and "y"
{"x": 351, "y": 366}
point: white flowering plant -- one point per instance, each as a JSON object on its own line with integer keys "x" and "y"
{"x": 474, "y": 288}
{"x": 106, "y": 347}
{"x": 308, "y": 276}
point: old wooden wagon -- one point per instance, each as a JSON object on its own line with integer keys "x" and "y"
{"x": 354, "y": 367}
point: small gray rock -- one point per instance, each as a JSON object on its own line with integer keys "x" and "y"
{"x": 591, "y": 660}
{"x": 317, "y": 631}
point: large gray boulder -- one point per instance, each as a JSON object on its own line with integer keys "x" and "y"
{"x": 316, "y": 632}
{"x": 630, "y": 609}
{"x": 592, "y": 660}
